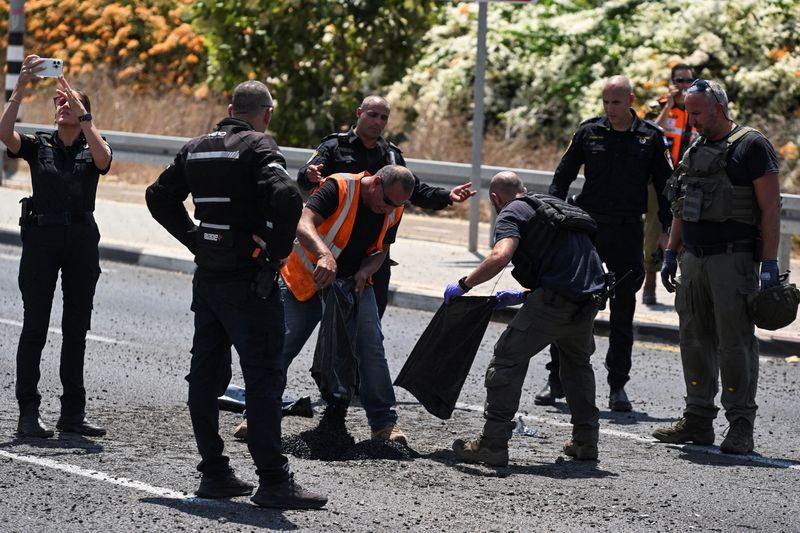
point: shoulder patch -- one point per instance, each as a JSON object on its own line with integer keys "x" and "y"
{"x": 653, "y": 125}
{"x": 592, "y": 120}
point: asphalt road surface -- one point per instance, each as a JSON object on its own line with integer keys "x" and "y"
{"x": 141, "y": 476}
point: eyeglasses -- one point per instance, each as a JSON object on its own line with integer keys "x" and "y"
{"x": 386, "y": 199}
{"x": 375, "y": 114}
{"x": 682, "y": 80}
{"x": 58, "y": 101}
{"x": 701, "y": 86}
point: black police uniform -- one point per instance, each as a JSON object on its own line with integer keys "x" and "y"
{"x": 345, "y": 152}
{"x": 240, "y": 187}
{"x": 618, "y": 166}
{"x": 58, "y": 233}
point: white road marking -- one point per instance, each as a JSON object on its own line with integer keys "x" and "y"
{"x": 57, "y": 331}
{"x": 709, "y": 450}
{"x": 100, "y": 476}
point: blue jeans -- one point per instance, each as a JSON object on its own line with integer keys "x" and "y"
{"x": 375, "y": 388}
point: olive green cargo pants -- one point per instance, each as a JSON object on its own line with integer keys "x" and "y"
{"x": 545, "y": 318}
{"x": 717, "y": 333}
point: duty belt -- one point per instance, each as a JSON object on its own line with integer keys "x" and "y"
{"x": 58, "y": 219}
{"x": 615, "y": 220}
{"x": 716, "y": 249}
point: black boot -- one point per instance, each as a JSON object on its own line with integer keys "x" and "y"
{"x": 287, "y": 495}
{"x": 618, "y": 401}
{"x": 549, "y": 393}
{"x": 225, "y": 485}
{"x": 30, "y": 425}
{"x": 79, "y": 425}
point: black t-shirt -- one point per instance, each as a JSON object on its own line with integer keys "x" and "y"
{"x": 63, "y": 178}
{"x": 752, "y": 157}
{"x": 366, "y": 227}
{"x": 573, "y": 269}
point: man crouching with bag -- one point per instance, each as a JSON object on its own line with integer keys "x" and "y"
{"x": 549, "y": 243}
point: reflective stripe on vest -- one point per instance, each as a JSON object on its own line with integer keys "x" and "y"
{"x": 335, "y": 232}
{"x": 212, "y": 155}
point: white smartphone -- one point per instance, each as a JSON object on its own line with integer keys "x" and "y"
{"x": 53, "y": 68}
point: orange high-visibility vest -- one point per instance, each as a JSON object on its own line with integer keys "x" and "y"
{"x": 675, "y": 128}
{"x": 298, "y": 272}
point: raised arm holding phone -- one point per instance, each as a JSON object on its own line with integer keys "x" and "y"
{"x": 58, "y": 234}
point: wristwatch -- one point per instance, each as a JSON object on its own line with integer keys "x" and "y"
{"x": 463, "y": 284}
{"x": 85, "y": 118}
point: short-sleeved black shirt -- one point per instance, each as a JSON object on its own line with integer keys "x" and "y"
{"x": 64, "y": 178}
{"x": 573, "y": 269}
{"x": 366, "y": 227}
{"x": 752, "y": 157}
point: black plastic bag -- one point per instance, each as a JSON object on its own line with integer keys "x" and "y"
{"x": 439, "y": 363}
{"x": 334, "y": 368}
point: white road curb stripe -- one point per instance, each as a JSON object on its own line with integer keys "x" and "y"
{"x": 99, "y": 476}
{"x": 57, "y": 331}
{"x": 709, "y": 450}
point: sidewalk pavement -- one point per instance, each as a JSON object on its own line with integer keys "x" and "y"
{"x": 130, "y": 235}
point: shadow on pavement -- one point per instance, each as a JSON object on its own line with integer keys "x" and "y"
{"x": 61, "y": 441}
{"x": 228, "y": 511}
{"x": 712, "y": 456}
{"x": 632, "y": 417}
{"x": 559, "y": 469}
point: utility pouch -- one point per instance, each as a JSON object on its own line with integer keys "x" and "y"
{"x": 693, "y": 202}
{"x": 265, "y": 282}
{"x": 26, "y": 211}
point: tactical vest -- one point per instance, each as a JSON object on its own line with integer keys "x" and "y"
{"x": 700, "y": 189}
{"x": 298, "y": 272}
{"x": 552, "y": 216}
{"x": 225, "y": 200}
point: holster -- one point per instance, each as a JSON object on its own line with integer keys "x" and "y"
{"x": 26, "y": 211}
{"x": 266, "y": 279}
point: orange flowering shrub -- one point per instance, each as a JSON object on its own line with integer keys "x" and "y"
{"x": 144, "y": 44}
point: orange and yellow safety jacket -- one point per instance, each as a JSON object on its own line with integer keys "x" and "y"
{"x": 678, "y": 132}
{"x": 298, "y": 272}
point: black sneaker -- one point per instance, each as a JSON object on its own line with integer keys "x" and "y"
{"x": 618, "y": 401}
{"x": 223, "y": 486}
{"x": 33, "y": 426}
{"x": 79, "y": 425}
{"x": 549, "y": 393}
{"x": 287, "y": 495}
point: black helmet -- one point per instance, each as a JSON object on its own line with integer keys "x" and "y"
{"x": 776, "y": 307}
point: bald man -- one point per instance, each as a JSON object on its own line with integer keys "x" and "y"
{"x": 549, "y": 243}
{"x": 363, "y": 149}
{"x": 620, "y": 155}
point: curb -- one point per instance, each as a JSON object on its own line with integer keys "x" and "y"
{"x": 775, "y": 345}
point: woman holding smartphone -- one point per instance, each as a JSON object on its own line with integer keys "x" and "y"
{"x": 58, "y": 234}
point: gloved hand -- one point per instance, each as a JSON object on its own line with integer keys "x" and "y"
{"x": 769, "y": 273}
{"x": 669, "y": 269}
{"x": 509, "y": 298}
{"x": 452, "y": 291}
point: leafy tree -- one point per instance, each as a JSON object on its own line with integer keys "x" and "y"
{"x": 321, "y": 57}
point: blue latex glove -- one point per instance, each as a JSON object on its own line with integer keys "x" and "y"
{"x": 669, "y": 270}
{"x": 452, "y": 290}
{"x": 509, "y": 298}
{"x": 769, "y": 273}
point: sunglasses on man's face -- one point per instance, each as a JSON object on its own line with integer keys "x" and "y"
{"x": 388, "y": 201}
{"x": 682, "y": 80}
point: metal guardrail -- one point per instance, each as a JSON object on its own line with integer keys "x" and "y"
{"x": 161, "y": 149}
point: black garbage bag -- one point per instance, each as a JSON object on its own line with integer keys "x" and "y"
{"x": 334, "y": 368}
{"x": 440, "y": 361}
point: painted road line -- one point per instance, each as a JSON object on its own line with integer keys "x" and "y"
{"x": 708, "y": 450}
{"x": 57, "y": 331}
{"x": 100, "y": 476}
